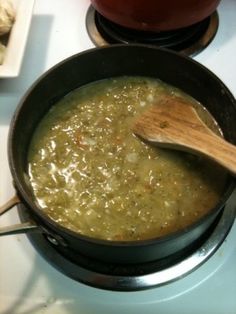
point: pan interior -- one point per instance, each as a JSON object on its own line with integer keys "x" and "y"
{"x": 92, "y": 175}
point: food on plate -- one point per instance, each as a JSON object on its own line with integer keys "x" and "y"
{"x": 2, "y": 52}
{"x": 7, "y": 18}
{"x": 90, "y": 174}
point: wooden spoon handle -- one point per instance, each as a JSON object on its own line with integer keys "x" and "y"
{"x": 218, "y": 150}
{"x": 175, "y": 124}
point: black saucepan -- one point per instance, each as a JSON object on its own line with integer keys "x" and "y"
{"x": 97, "y": 64}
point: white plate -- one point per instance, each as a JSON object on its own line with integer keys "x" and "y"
{"x": 17, "y": 39}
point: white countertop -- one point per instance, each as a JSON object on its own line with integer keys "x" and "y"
{"x": 28, "y": 284}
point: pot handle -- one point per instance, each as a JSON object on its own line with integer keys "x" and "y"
{"x": 17, "y": 228}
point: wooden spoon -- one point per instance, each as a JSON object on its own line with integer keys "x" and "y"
{"x": 174, "y": 123}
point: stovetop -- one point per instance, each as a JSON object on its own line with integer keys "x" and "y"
{"x": 29, "y": 284}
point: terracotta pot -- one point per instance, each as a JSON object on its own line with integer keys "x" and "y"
{"x": 155, "y": 15}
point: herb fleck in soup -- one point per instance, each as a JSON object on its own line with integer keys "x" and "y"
{"x": 90, "y": 174}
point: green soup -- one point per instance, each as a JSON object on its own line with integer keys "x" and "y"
{"x": 90, "y": 174}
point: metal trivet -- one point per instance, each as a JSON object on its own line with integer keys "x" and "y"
{"x": 189, "y": 40}
{"x": 140, "y": 276}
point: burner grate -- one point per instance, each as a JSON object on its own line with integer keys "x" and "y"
{"x": 189, "y": 40}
